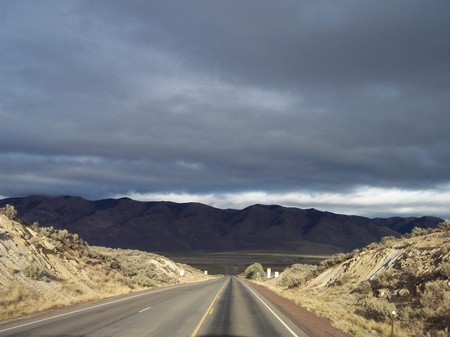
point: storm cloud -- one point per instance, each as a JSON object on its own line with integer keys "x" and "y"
{"x": 339, "y": 106}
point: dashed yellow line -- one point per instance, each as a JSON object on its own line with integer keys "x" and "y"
{"x": 208, "y": 311}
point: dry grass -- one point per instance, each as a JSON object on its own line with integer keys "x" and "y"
{"x": 44, "y": 268}
{"x": 18, "y": 300}
{"x": 358, "y": 291}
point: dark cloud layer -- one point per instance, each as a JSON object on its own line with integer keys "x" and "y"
{"x": 102, "y": 98}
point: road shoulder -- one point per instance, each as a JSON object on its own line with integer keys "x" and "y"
{"x": 314, "y": 325}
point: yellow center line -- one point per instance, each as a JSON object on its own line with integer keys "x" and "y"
{"x": 209, "y": 310}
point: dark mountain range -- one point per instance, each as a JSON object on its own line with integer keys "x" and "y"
{"x": 168, "y": 226}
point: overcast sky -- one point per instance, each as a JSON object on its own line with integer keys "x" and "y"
{"x": 338, "y": 105}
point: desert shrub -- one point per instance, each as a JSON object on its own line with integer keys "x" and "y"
{"x": 58, "y": 246}
{"x": 60, "y": 235}
{"x": 445, "y": 226}
{"x": 296, "y": 275}
{"x": 407, "y": 313}
{"x": 254, "y": 271}
{"x": 38, "y": 273}
{"x": 34, "y": 240}
{"x": 13, "y": 294}
{"x": 342, "y": 280}
{"x": 388, "y": 241}
{"x": 113, "y": 264}
{"x": 384, "y": 279}
{"x": 154, "y": 275}
{"x": 418, "y": 231}
{"x": 364, "y": 288}
{"x": 377, "y": 309}
{"x": 336, "y": 259}
{"x": 404, "y": 293}
{"x": 70, "y": 288}
{"x": 63, "y": 234}
{"x": 444, "y": 270}
{"x": 35, "y": 226}
{"x": 373, "y": 245}
{"x": 409, "y": 272}
{"x": 434, "y": 295}
{"x": 10, "y": 211}
{"x": 35, "y": 271}
{"x": 291, "y": 280}
{"x": 439, "y": 322}
{"x": 440, "y": 333}
{"x": 145, "y": 281}
{"x": 324, "y": 264}
{"x": 75, "y": 237}
{"x": 46, "y": 231}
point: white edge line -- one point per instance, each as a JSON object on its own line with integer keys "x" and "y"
{"x": 93, "y": 307}
{"x": 273, "y": 313}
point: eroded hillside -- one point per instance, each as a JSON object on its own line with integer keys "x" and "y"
{"x": 41, "y": 267}
{"x": 359, "y": 291}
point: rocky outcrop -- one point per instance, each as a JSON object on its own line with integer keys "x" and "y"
{"x": 359, "y": 291}
{"x": 41, "y": 267}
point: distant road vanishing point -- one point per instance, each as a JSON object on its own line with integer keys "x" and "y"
{"x": 221, "y": 307}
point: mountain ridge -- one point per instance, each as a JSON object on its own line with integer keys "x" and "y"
{"x": 168, "y": 226}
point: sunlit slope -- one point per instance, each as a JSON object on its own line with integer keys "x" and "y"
{"x": 358, "y": 291}
{"x": 41, "y": 267}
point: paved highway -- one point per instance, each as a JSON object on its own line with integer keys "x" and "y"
{"x": 222, "y": 307}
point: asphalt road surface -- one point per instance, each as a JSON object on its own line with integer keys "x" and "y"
{"x": 222, "y": 307}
